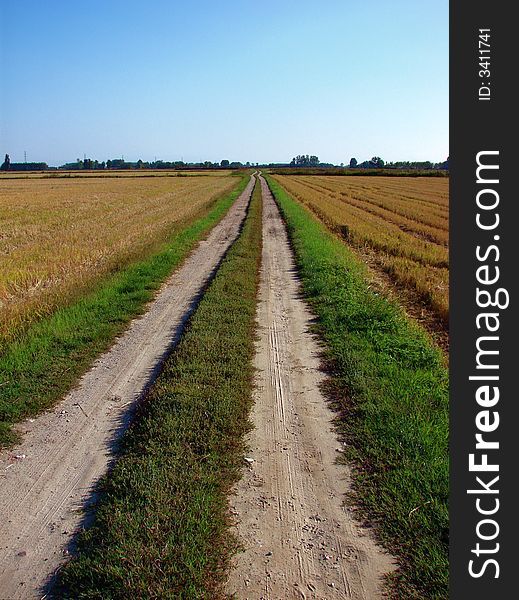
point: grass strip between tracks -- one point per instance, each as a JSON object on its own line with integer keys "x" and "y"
{"x": 40, "y": 367}
{"x": 159, "y": 530}
{"x": 390, "y": 387}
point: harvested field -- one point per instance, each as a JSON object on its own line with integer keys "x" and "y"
{"x": 399, "y": 225}
{"x": 59, "y": 236}
{"x": 298, "y": 538}
{"x": 111, "y": 173}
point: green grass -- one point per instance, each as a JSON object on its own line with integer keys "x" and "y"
{"x": 40, "y": 367}
{"x": 160, "y": 529}
{"x": 390, "y": 388}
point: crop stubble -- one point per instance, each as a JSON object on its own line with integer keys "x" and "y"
{"x": 399, "y": 225}
{"x": 59, "y": 236}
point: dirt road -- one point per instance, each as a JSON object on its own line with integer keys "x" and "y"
{"x": 46, "y": 480}
{"x": 299, "y": 540}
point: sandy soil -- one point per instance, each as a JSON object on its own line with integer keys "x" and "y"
{"x": 299, "y": 540}
{"x": 47, "y": 480}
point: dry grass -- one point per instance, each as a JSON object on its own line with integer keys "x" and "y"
{"x": 400, "y": 224}
{"x": 112, "y": 173}
{"x": 59, "y": 237}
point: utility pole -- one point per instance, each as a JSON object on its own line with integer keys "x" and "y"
{"x": 25, "y": 156}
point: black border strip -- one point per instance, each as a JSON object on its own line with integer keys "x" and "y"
{"x": 479, "y": 126}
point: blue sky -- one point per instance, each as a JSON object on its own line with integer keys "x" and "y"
{"x": 242, "y": 80}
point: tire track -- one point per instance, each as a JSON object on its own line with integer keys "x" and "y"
{"x": 66, "y": 450}
{"x": 299, "y": 540}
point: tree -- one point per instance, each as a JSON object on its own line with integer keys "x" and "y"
{"x": 224, "y": 163}
{"x": 304, "y": 160}
{"x": 377, "y": 162}
{"x": 6, "y": 164}
{"x": 353, "y": 163}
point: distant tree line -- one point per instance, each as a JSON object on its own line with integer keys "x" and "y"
{"x": 88, "y": 164}
{"x": 119, "y": 163}
{"x": 7, "y": 165}
{"x": 300, "y": 161}
{"x": 304, "y": 160}
{"x": 377, "y": 163}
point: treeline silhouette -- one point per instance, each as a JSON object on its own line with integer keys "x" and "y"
{"x": 298, "y": 163}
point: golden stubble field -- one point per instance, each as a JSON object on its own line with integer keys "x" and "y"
{"x": 60, "y": 235}
{"x": 399, "y": 225}
{"x": 111, "y": 174}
